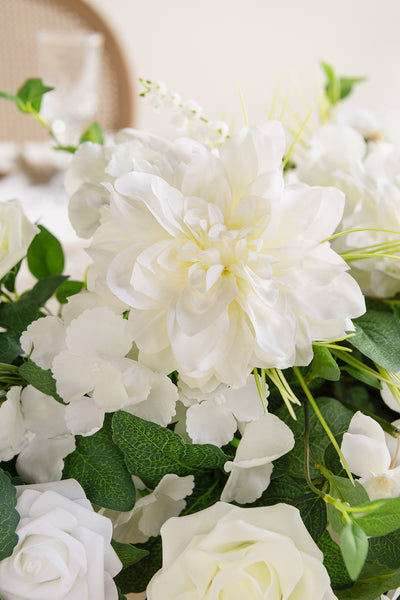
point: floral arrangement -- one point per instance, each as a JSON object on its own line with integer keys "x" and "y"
{"x": 211, "y": 412}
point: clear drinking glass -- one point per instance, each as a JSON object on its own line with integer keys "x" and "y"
{"x": 70, "y": 62}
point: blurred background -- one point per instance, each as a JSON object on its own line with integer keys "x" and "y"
{"x": 207, "y": 50}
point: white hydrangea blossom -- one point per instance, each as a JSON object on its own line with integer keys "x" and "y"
{"x": 213, "y": 417}
{"x": 151, "y": 510}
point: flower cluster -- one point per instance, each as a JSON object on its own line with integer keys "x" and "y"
{"x": 218, "y": 398}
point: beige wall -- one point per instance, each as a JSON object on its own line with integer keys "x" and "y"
{"x": 206, "y": 49}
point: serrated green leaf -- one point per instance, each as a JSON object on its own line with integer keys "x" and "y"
{"x": 67, "y": 289}
{"x": 381, "y": 521}
{"x": 354, "y": 548}
{"x": 30, "y": 94}
{"x": 45, "y": 255}
{"x": 152, "y": 451}
{"x": 323, "y": 365}
{"x": 128, "y": 554}
{"x": 41, "y": 379}
{"x": 93, "y": 133}
{"x": 99, "y": 466}
{"x": 377, "y": 335}
{"x": 9, "y": 517}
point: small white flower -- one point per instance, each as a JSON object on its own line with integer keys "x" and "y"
{"x": 151, "y": 510}
{"x": 212, "y": 418}
{"x": 263, "y": 441}
{"x": 366, "y": 451}
{"x": 16, "y": 233}
{"x": 12, "y": 426}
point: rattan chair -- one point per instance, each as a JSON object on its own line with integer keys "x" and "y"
{"x": 20, "y": 19}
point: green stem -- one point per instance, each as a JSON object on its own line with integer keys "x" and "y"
{"x": 322, "y": 420}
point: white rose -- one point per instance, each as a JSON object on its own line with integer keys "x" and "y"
{"x": 63, "y": 551}
{"x": 16, "y": 233}
{"x": 229, "y": 552}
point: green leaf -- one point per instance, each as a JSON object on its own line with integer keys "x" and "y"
{"x": 323, "y": 365}
{"x": 136, "y": 578}
{"x": 93, "y": 133}
{"x": 99, "y": 466}
{"x": 347, "y": 83}
{"x": 370, "y": 588}
{"x": 9, "y": 517}
{"x": 9, "y": 279}
{"x": 344, "y": 490}
{"x": 30, "y": 95}
{"x": 41, "y": 379}
{"x": 336, "y": 87}
{"x": 207, "y": 491}
{"x": 333, "y": 562}
{"x": 381, "y": 521}
{"x": 45, "y": 255}
{"x": 354, "y": 548}
{"x": 18, "y": 315}
{"x": 363, "y": 376}
{"x": 338, "y": 418}
{"x": 9, "y": 346}
{"x": 67, "y": 289}
{"x": 377, "y": 335}
{"x": 152, "y": 451}
{"x": 128, "y": 554}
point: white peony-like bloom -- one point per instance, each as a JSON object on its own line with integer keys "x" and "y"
{"x": 371, "y": 455}
{"x": 263, "y": 441}
{"x": 222, "y": 269}
{"x": 16, "y": 233}
{"x": 230, "y": 552}
{"x": 151, "y": 510}
{"x": 63, "y": 550}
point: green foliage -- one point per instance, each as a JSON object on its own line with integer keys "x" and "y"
{"x": 383, "y": 519}
{"x": 354, "y": 547}
{"x": 377, "y": 336}
{"x": 18, "y": 315}
{"x": 67, "y": 289}
{"x": 93, "y": 133}
{"x": 9, "y": 517}
{"x": 337, "y": 88}
{"x": 136, "y": 578}
{"x": 343, "y": 489}
{"x": 338, "y": 418}
{"x": 45, "y": 255}
{"x": 28, "y": 98}
{"x": 323, "y": 366}
{"x": 152, "y": 451}
{"x": 128, "y": 554}
{"x": 99, "y": 466}
{"x": 41, "y": 379}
